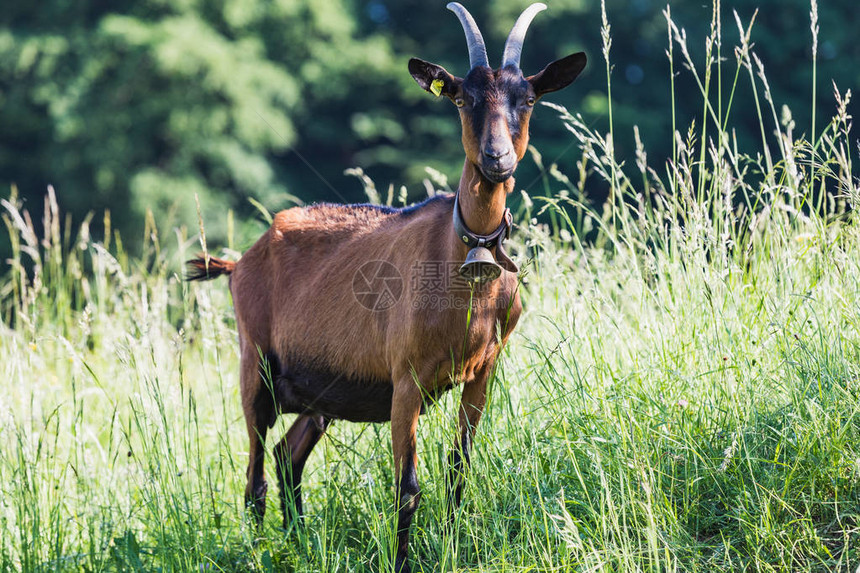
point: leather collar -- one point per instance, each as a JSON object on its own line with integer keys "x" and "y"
{"x": 494, "y": 239}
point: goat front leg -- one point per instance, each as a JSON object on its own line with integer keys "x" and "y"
{"x": 405, "y": 408}
{"x": 472, "y": 404}
{"x": 291, "y": 453}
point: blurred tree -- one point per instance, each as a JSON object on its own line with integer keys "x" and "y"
{"x": 145, "y": 105}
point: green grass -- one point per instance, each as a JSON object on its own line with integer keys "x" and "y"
{"x": 682, "y": 392}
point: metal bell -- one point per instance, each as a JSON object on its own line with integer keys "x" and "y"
{"x": 480, "y": 266}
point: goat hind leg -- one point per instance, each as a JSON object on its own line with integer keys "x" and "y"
{"x": 258, "y": 406}
{"x": 291, "y": 453}
{"x": 256, "y": 487}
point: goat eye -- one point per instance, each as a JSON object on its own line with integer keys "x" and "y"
{"x": 531, "y": 100}
{"x": 458, "y": 101}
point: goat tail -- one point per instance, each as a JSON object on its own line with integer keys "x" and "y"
{"x": 208, "y": 268}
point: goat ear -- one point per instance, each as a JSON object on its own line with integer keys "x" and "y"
{"x": 426, "y": 73}
{"x": 558, "y": 74}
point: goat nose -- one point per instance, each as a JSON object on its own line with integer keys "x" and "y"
{"x": 496, "y": 152}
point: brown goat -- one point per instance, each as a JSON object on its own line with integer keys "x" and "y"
{"x": 312, "y": 345}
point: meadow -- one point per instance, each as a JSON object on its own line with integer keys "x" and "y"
{"x": 681, "y": 393}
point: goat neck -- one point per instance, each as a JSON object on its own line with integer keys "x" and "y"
{"x": 482, "y": 202}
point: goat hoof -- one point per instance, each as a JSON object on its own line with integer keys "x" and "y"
{"x": 294, "y": 524}
{"x": 401, "y": 565}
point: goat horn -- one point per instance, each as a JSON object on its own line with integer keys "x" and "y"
{"x": 477, "y": 49}
{"x": 514, "y": 43}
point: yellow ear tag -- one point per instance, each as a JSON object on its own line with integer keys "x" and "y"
{"x": 436, "y": 87}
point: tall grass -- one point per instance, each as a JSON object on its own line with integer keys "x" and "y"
{"x": 681, "y": 394}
